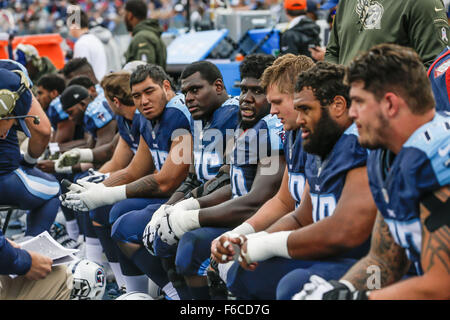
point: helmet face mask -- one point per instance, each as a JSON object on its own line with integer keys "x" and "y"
{"x": 88, "y": 281}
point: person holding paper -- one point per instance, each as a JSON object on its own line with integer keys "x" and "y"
{"x": 36, "y": 280}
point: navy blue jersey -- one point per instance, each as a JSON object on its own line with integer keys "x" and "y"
{"x": 13, "y": 260}
{"x": 56, "y": 114}
{"x": 210, "y": 139}
{"x": 263, "y": 140}
{"x": 97, "y": 115}
{"x": 130, "y": 130}
{"x": 295, "y": 161}
{"x": 398, "y": 185}
{"x": 159, "y": 134}
{"x": 439, "y": 76}
{"x": 326, "y": 178}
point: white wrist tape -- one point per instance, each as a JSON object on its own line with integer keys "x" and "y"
{"x": 66, "y": 170}
{"x": 267, "y": 246}
{"x": 29, "y": 159}
{"x": 244, "y": 228}
{"x": 256, "y": 234}
{"x": 86, "y": 155}
{"x": 117, "y": 194}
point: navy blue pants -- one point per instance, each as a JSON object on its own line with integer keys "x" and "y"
{"x": 129, "y": 226}
{"x": 264, "y": 283}
{"x": 194, "y": 251}
{"x": 33, "y": 190}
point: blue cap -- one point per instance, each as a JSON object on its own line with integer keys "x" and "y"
{"x": 329, "y": 4}
{"x": 11, "y": 81}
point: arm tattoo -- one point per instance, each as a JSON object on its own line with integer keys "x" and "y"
{"x": 117, "y": 179}
{"x": 146, "y": 187}
{"x": 436, "y": 244}
{"x": 385, "y": 254}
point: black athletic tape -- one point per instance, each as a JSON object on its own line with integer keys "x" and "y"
{"x": 439, "y": 212}
{"x": 66, "y": 183}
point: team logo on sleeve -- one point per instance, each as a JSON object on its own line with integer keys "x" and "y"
{"x": 444, "y": 36}
{"x": 282, "y": 135}
{"x": 101, "y": 116}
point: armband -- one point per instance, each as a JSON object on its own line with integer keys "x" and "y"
{"x": 189, "y": 184}
{"x": 220, "y": 180}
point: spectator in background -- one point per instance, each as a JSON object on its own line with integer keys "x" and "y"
{"x": 87, "y": 44}
{"x": 361, "y": 24}
{"x": 318, "y": 53}
{"x": 36, "y": 66}
{"x": 301, "y": 32}
{"x": 146, "y": 43}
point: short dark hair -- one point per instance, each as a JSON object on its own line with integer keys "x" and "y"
{"x": 152, "y": 71}
{"x": 52, "y": 82}
{"x": 207, "y": 70}
{"x": 76, "y": 64}
{"x": 253, "y": 65}
{"x": 296, "y": 13}
{"x": 82, "y": 81}
{"x": 138, "y": 8}
{"x": 326, "y": 81}
{"x": 390, "y": 67}
{"x": 84, "y": 20}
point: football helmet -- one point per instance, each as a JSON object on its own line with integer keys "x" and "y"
{"x": 89, "y": 280}
{"x": 135, "y": 295}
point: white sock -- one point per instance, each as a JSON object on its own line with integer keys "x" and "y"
{"x": 72, "y": 229}
{"x": 170, "y": 291}
{"x": 223, "y": 270}
{"x": 136, "y": 283}
{"x": 94, "y": 250}
{"x": 115, "y": 267}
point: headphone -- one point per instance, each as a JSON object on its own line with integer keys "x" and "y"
{"x": 8, "y": 99}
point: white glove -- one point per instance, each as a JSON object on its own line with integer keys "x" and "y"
{"x": 94, "y": 176}
{"x": 187, "y": 204}
{"x": 152, "y": 227}
{"x": 95, "y": 195}
{"x": 265, "y": 246}
{"x": 317, "y": 287}
{"x": 74, "y": 156}
{"x": 176, "y": 223}
{"x": 73, "y": 188}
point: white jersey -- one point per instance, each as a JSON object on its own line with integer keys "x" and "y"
{"x": 90, "y": 47}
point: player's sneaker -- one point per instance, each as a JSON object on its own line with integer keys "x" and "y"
{"x": 217, "y": 287}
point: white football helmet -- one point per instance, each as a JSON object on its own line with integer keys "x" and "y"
{"x": 135, "y": 295}
{"x": 89, "y": 280}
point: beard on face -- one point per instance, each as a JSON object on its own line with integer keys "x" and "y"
{"x": 128, "y": 25}
{"x": 373, "y": 136}
{"x": 326, "y": 133}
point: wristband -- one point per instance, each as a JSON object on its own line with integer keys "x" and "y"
{"x": 244, "y": 228}
{"x": 29, "y": 159}
{"x": 86, "y": 155}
